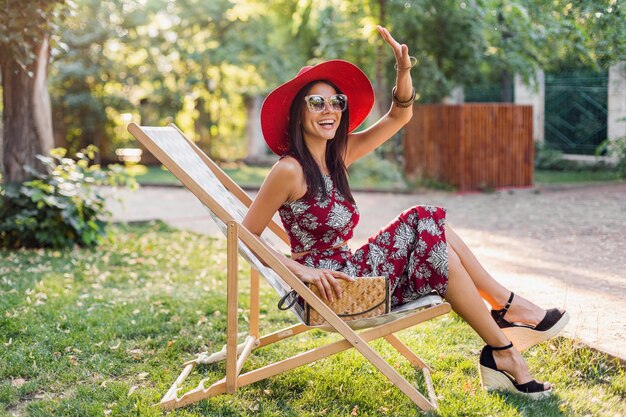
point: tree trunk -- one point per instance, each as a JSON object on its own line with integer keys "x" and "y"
{"x": 202, "y": 125}
{"x": 505, "y": 87}
{"x": 59, "y": 127}
{"x": 1, "y": 145}
{"x": 27, "y": 116}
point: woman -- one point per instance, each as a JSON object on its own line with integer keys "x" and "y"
{"x": 309, "y": 121}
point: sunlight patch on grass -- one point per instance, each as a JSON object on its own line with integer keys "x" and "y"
{"x": 104, "y": 332}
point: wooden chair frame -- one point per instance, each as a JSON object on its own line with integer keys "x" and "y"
{"x": 235, "y": 354}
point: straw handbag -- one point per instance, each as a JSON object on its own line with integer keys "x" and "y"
{"x": 363, "y": 298}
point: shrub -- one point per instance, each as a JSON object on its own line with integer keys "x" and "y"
{"x": 373, "y": 170}
{"x": 615, "y": 148}
{"x": 60, "y": 207}
{"x": 548, "y": 158}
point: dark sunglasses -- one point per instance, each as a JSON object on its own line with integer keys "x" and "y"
{"x": 317, "y": 103}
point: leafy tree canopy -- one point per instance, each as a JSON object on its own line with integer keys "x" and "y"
{"x": 22, "y": 26}
{"x": 199, "y": 62}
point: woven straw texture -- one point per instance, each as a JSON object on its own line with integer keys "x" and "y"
{"x": 363, "y": 298}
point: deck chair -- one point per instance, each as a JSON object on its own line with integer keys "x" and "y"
{"x": 227, "y": 204}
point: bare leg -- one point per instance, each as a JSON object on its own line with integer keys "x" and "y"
{"x": 465, "y": 300}
{"x": 491, "y": 290}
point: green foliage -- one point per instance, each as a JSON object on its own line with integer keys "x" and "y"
{"x": 23, "y": 27}
{"x": 157, "y": 62}
{"x": 552, "y": 168}
{"x": 446, "y": 39}
{"x": 58, "y": 208}
{"x": 86, "y": 79}
{"x": 615, "y": 148}
{"x": 556, "y": 35}
{"x": 547, "y": 158}
{"x": 372, "y": 171}
{"x": 198, "y": 63}
{"x": 551, "y": 159}
{"x": 515, "y": 36}
{"x": 582, "y": 34}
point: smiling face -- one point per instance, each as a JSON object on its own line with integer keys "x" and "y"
{"x": 322, "y": 125}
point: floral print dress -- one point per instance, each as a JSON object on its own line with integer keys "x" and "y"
{"x": 411, "y": 251}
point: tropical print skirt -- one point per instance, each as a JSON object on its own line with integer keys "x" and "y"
{"x": 411, "y": 252}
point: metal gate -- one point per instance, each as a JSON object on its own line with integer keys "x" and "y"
{"x": 576, "y": 111}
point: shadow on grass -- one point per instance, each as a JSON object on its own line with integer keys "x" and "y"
{"x": 104, "y": 332}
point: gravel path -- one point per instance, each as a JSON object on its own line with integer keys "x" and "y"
{"x": 557, "y": 246}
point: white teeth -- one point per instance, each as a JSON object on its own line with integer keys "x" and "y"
{"x": 324, "y": 122}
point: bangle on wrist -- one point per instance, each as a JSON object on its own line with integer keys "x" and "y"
{"x": 413, "y": 61}
{"x": 399, "y": 103}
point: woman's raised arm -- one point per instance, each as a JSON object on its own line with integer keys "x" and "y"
{"x": 362, "y": 143}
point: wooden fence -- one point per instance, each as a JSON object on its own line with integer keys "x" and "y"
{"x": 470, "y": 146}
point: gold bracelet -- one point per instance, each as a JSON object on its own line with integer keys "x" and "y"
{"x": 399, "y": 103}
{"x": 413, "y": 61}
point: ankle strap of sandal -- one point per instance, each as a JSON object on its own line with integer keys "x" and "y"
{"x": 509, "y": 346}
{"x": 503, "y": 311}
{"x": 508, "y": 303}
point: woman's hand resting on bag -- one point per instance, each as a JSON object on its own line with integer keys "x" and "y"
{"x": 326, "y": 280}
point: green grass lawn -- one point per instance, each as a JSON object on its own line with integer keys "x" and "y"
{"x": 253, "y": 176}
{"x": 244, "y": 175}
{"x": 574, "y": 177}
{"x": 104, "y": 332}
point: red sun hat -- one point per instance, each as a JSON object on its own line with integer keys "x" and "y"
{"x": 346, "y": 76}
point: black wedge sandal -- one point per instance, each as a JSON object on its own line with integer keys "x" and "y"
{"x": 491, "y": 378}
{"x": 524, "y": 335}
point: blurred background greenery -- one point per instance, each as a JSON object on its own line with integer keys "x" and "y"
{"x": 201, "y": 64}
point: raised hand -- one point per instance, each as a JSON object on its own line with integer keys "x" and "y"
{"x": 401, "y": 51}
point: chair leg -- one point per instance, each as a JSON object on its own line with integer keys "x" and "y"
{"x": 405, "y": 351}
{"x": 171, "y": 401}
{"x": 341, "y": 345}
{"x": 283, "y": 334}
{"x": 232, "y": 314}
{"x": 429, "y": 386}
{"x": 172, "y": 393}
{"x": 205, "y": 359}
{"x": 254, "y": 303}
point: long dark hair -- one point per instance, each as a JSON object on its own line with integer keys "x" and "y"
{"x": 335, "y": 148}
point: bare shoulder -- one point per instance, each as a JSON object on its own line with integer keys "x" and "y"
{"x": 288, "y": 165}
{"x": 287, "y": 170}
{"x": 287, "y": 174}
